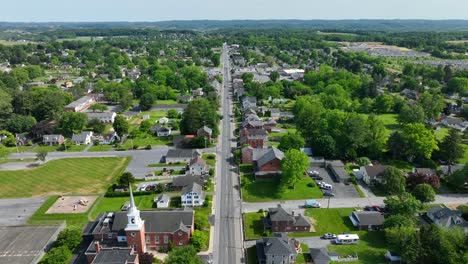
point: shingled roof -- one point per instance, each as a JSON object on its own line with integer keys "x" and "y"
{"x": 271, "y": 154}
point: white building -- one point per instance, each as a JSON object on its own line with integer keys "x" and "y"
{"x": 193, "y": 195}
{"x": 84, "y": 138}
{"x": 105, "y": 117}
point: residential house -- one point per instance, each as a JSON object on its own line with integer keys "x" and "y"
{"x": 425, "y": 171}
{"x": 142, "y": 231}
{"x": 105, "y": 117}
{"x": 84, "y": 138}
{"x": 197, "y": 166}
{"x": 252, "y": 124}
{"x": 320, "y": 255}
{"x": 192, "y": 195}
{"x": 266, "y": 162}
{"x": 269, "y": 125}
{"x": 249, "y": 102}
{"x": 371, "y": 174}
{"x": 337, "y": 171}
{"x": 53, "y": 140}
{"x": 108, "y": 139}
{"x": 367, "y": 220}
{"x": 22, "y": 139}
{"x": 182, "y": 181}
{"x": 81, "y": 104}
{"x": 184, "y": 99}
{"x": 197, "y": 92}
{"x": 256, "y": 138}
{"x": 410, "y": 94}
{"x": 252, "y": 117}
{"x": 275, "y": 113}
{"x": 282, "y": 220}
{"x": 450, "y": 169}
{"x": 278, "y": 249}
{"x": 181, "y": 155}
{"x": 446, "y": 217}
{"x": 162, "y": 201}
{"x": 454, "y": 122}
{"x": 163, "y": 120}
{"x": 205, "y": 132}
{"x": 161, "y": 131}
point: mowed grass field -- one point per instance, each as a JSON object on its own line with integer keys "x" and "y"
{"x": 63, "y": 176}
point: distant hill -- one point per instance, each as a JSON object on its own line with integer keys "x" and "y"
{"x": 380, "y": 25}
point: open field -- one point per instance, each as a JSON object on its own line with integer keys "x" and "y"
{"x": 371, "y": 248}
{"x": 63, "y": 176}
{"x": 11, "y": 43}
{"x": 143, "y": 202}
{"x": 331, "y": 220}
{"x": 253, "y": 226}
{"x": 99, "y": 148}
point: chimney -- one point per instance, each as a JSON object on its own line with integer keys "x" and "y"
{"x": 292, "y": 213}
{"x": 97, "y": 247}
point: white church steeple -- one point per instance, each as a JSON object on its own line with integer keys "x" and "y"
{"x": 133, "y": 215}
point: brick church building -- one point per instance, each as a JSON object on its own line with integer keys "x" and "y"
{"x": 120, "y": 237}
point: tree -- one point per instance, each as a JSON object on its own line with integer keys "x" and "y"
{"x": 405, "y": 241}
{"x": 186, "y": 255}
{"x": 97, "y": 126}
{"x": 274, "y": 76}
{"x": 7, "y": 138}
{"x": 458, "y": 179}
{"x": 120, "y": 125}
{"x": 293, "y": 165}
{"x": 146, "y": 101}
{"x": 57, "y": 255}
{"x": 70, "y": 237}
{"x": 324, "y": 146}
{"x": 5, "y": 106}
{"x": 376, "y": 136}
{"x": 451, "y": 148}
{"x": 404, "y": 204}
{"x": 20, "y": 123}
{"x": 432, "y": 104}
{"x": 146, "y": 258}
{"x": 419, "y": 141}
{"x": 394, "y": 180}
{"x": 126, "y": 179}
{"x": 424, "y": 193}
{"x": 383, "y": 103}
{"x": 291, "y": 141}
{"x": 99, "y": 107}
{"x": 3, "y": 151}
{"x": 71, "y": 122}
{"x": 415, "y": 179}
{"x": 199, "y": 112}
{"x": 411, "y": 114}
{"x": 199, "y": 240}
{"x": 457, "y": 85}
{"x": 145, "y": 126}
{"x": 42, "y": 154}
{"x": 397, "y": 220}
{"x": 172, "y": 113}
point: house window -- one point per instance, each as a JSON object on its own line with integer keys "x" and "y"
{"x": 166, "y": 239}
{"x": 196, "y": 202}
{"x": 156, "y": 239}
{"x": 148, "y": 239}
{"x": 180, "y": 243}
{"x": 195, "y": 197}
{"x": 180, "y": 233}
{"x": 109, "y": 235}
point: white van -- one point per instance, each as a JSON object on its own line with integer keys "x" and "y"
{"x": 347, "y": 239}
{"x": 326, "y": 186}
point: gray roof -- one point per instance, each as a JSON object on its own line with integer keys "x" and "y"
{"x": 158, "y": 221}
{"x": 375, "y": 171}
{"x": 278, "y": 245}
{"x": 181, "y": 153}
{"x": 192, "y": 187}
{"x": 183, "y": 181}
{"x": 271, "y": 154}
{"x": 159, "y": 129}
{"x": 320, "y": 255}
{"x": 280, "y": 214}
{"x": 81, "y": 137}
{"x": 114, "y": 256}
{"x": 256, "y": 132}
{"x": 92, "y": 115}
{"x": 252, "y": 123}
{"x": 447, "y": 217}
{"x": 51, "y": 138}
{"x": 204, "y": 129}
{"x": 161, "y": 197}
{"x": 368, "y": 217}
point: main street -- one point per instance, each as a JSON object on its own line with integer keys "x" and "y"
{"x": 228, "y": 228}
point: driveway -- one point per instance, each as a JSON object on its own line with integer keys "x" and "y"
{"x": 339, "y": 189}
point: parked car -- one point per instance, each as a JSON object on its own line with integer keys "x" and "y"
{"x": 312, "y": 204}
{"x": 328, "y": 236}
{"x": 148, "y": 188}
{"x": 313, "y": 173}
{"x": 142, "y": 187}
{"x": 327, "y": 193}
{"x": 325, "y": 186}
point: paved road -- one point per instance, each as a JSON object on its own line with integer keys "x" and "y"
{"x": 16, "y": 212}
{"x": 138, "y": 166}
{"x": 228, "y": 228}
{"x": 347, "y": 202}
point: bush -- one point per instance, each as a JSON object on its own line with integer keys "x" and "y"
{"x": 57, "y": 255}
{"x": 135, "y": 146}
{"x": 199, "y": 240}
{"x": 70, "y": 237}
{"x": 126, "y": 194}
{"x": 311, "y": 184}
{"x": 148, "y": 147}
{"x": 260, "y": 211}
{"x": 212, "y": 172}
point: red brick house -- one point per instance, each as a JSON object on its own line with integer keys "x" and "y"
{"x": 255, "y": 138}
{"x": 138, "y": 231}
{"x": 281, "y": 220}
{"x": 266, "y": 162}
{"x": 252, "y": 124}
{"x": 269, "y": 125}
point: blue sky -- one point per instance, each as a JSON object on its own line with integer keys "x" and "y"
{"x": 159, "y": 10}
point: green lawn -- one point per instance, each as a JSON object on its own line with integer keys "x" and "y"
{"x": 253, "y": 226}
{"x": 304, "y": 256}
{"x": 70, "y": 148}
{"x": 20, "y": 149}
{"x": 203, "y": 213}
{"x": 41, "y": 218}
{"x": 47, "y": 148}
{"x": 332, "y": 220}
{"x": 270, "y": 190}
{"x": 390, "y": 122}
{"x": 2, "y": 161}
{"x": 98, "y": 148}
{"x": 75, "y": 148}
{"x": 63, "y": 176}
{"x": 464, "y": 160}
{"x": 210, "y": 159}
{"x": 371, "y": 248}
{"x": 143, "y": 202}
{"x": 147, "y": 139}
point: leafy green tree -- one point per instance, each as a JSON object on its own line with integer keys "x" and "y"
{"x": 71, "y": 122}
{"x": 186, "y": 255}
{"x": 293, "y": 165}
{"x": 42, "y": 154}
{"x": 433, "y": 104}
{"x": 57, "y": 255}
{"x": 70, "y": 237}
{"x": 457, "y": 85}
{"x": 121, "y": 125}
{"x": 383, "y": 103}
{"x": 126, "y": 179}
{"x": 274, "y": 76}
{"x": 324, "y": 146}
{"x": 145, "y": 126}
{"x": 126, "y": 101}
{"x": 404, "y": 204}
{"x": 97, "y": 126}
{"x": 98, "y": 107}
{"x": 199, "y": 240}
{"x": 424, "y": 193}
{"x": 411, "y": 114}
{"x": 419, "y": 141}
{"x": 291, "y": 141}
{"x": 376, "y": 134}
{"x": 405, "y": 241}
{"x": 3, "y": 151}
{"x": 396, "y": 220}
{"x": 394, "y": 181}
{"x": 20, "y": 123}
{"x": 146, "y": 101}
{"x": 5, "y": 106}
{"x": 458, "y": 179}
{"x": 7, "y": 138}
{"x": 172, "y": 113}
{"x": 199, "y": 112}
{"x": 451, "y": 148}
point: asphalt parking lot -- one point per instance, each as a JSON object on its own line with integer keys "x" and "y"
{"x": 16, "y": 212}
{"x": 26, "y": 244}
{"x": 339, "y": 189}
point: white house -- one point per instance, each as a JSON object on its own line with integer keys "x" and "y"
{"x": 162, "y": 201}
{"x": 105, "y": 117}
{"x": 371, "y": 174}
{"x": 108, "y": 138}
{"x": 84, "y": 138}
{"x": 193, "y": 195}
{"x": 161, "y": 131}
{"x": 163, "y": 120}
{"x": 197, "y": 167}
